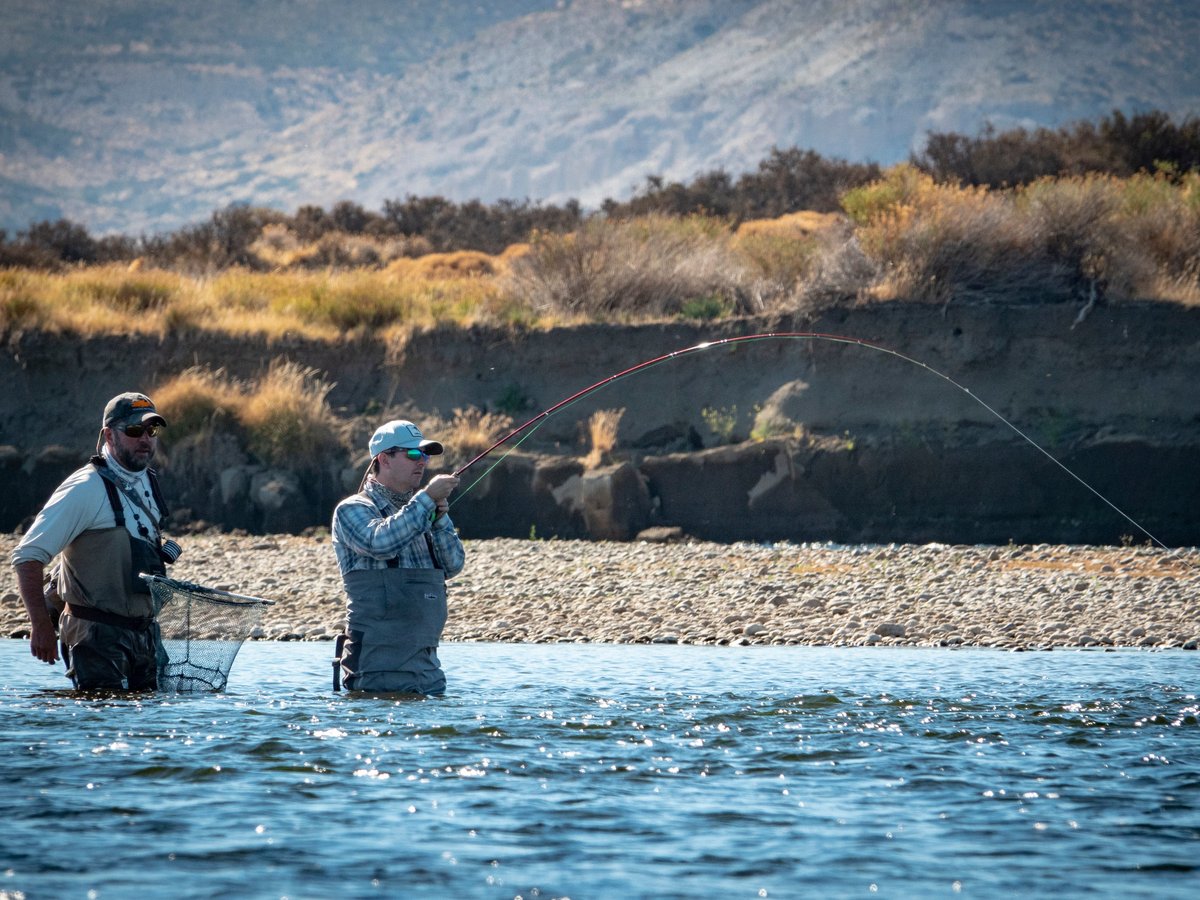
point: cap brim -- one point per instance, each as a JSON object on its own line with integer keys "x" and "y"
{"x": 433, "y": 448}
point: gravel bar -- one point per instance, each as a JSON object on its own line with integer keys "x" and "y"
{"x": 538, "y": 591}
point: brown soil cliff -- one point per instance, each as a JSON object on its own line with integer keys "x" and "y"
{"x": 897, "y": 433}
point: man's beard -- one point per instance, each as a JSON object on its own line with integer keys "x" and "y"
{"x": 128, "y": 460}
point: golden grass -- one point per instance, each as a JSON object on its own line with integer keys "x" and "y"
{"x": 96, "y": 300}
{"x": 323, "y": 305}
{"x": 800, "y": 224}
{"x": 467, "y": 434}
{"x": 284, "y": 418}
{"x": 602, "y": 427}
{"x": 902, "y": 237}
{"x": 438, "y": 266}
{"x": 197, "y": 400}
{"x": 287, "y": 419}
{"x": 280, "y": 249}
{"x": 782, "y": 251}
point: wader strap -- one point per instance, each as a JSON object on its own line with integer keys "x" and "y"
{"x": 394, "y": 562}
{"x": 114, "y": 499}
{"x": 91, "y": 614}
{"x": 432, "y": 552}
{"x": 156, "y": 492}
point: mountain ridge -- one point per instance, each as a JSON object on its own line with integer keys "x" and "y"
{"x": 130, "y": 121}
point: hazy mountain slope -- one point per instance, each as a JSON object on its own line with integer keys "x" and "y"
{"x": 130, "y": 116}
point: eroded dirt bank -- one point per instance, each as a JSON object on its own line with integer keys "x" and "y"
{"x": 903, "y": 443}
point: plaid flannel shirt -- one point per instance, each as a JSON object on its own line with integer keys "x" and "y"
{"x": 376, "y": 525}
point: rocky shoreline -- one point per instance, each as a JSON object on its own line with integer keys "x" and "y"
{"x": 1016, "y": 597}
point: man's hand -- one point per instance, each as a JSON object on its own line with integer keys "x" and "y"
{"x": 43, "y": 642}
{"x": 440, "y": 488}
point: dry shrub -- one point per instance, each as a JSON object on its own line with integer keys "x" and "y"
{"x": 1172, "y": 243}
{"x": 1075, "y": 232}
{"x": 649, "y": 267}
{"x": 459, "y": 264}
{"x": 280, "y": 248}
{"x": 276, "y": 247}
{"x": 782, "y": 250}
{"x": 960, "y": 243}
{"x": 839, "y": 273}
{"x": 901, "y": 187}
{"x": 341, "y": 251}
{"x": 803, "y": 223}
{"x": 934, "y": 242}
{"x": 512, "y": 253}
{"x": 602, "y": 427}
{"x": 1053, "y": 240}
{"x": 1160, "y": 217}
{"x": 287, "y": 417}
{"x": 197, "y": 400}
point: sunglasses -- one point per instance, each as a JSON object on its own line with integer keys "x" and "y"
{"x": 136, "y": 431}
{"x": 414, "y": 455}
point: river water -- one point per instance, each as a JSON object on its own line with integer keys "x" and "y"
{"x": 587, "y": 770}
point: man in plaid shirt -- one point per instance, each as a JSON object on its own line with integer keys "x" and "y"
{"x": 396, "y": 546}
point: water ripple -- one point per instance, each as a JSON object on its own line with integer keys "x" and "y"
{"x": 846, "y": 772}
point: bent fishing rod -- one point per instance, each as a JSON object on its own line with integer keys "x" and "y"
{"x": 528, "y": 428}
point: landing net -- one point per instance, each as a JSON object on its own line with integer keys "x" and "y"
{"x": 202, "y": 630}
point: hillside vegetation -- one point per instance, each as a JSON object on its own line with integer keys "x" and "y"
{"x": 1090, "y": 214}
{"x": 1087, "y": 239}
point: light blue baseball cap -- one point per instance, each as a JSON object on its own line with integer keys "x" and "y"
{"x": 401, "y": 434}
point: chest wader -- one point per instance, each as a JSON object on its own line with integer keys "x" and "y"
{"x": 108, "y": 634}
{"x": 395, "y": 618}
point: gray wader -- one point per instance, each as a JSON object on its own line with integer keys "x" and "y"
{"x": 394, "y": 623}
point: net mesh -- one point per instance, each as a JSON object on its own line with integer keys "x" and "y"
{"x": 202, "y": 630}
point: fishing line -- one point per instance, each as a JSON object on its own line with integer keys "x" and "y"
{"x": 528, "y": 428}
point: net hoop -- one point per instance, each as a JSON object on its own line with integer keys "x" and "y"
{"x": 201, "y": 631}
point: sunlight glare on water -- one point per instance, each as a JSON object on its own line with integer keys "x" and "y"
{"x": 617, "y": 771}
